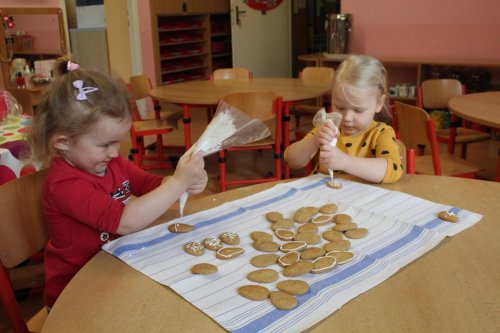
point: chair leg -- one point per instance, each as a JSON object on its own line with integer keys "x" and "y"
{"x": 410, "y": 162}
{"x": 222, "y": 170}
{"x": 9, "y": 303}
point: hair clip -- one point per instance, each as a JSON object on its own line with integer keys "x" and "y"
{"x": 71, "y": 66}
{"x": 82, "y": 91}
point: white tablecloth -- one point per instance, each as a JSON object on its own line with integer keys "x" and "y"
{"x": 401, "y": 228}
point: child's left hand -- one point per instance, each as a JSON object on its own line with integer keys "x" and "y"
{"x": 332, "y": 157}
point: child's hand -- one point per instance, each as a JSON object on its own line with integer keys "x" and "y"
{"x": 190, "y": 172}
{"x": 325, "y": 134}
{"x": 332, "y": 157}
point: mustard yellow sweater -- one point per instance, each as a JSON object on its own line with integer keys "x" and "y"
{"x": 379, "y": 140}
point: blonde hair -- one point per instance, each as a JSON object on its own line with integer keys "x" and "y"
{"x": 60, "y": 112}
{"x": 364, "y": 71}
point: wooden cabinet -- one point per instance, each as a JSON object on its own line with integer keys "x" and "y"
{"x": 190, "y": 39}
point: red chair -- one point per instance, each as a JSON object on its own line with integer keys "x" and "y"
{"x": 435, "y": 94}
{"x": 417, "y": 130}
{"x": 23, "y": 235}
{"x": 141, "y": 129}
{"x": 267, "y": 107}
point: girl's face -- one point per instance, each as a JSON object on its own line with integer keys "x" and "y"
{"x": 357, "y": 106}
{"x": 93, "y": 150}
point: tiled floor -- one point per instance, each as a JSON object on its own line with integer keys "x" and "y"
{"x": 484, "y": 154}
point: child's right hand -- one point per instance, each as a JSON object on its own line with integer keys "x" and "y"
{"x": 325, "y": 134}
{"x": 190, "y": 172}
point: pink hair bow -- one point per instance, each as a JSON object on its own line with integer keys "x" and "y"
{"x": 71, "y": 66}
{"x": 82, "y": 91}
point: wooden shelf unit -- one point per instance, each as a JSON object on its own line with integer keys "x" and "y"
{"x": 189, "y": 43}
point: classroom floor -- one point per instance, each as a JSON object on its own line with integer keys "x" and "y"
{"x": 485, "y": 154}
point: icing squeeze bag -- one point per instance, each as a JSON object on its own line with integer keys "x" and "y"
{"x": 229, "y": 127}
{"x": 321, "y": 118}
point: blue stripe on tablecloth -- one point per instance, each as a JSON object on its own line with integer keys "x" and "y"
{"x": 132, "y": 247}
{"x": 136, "y": 246}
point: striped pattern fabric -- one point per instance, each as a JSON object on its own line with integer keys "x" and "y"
{"x": 401, "y": 229}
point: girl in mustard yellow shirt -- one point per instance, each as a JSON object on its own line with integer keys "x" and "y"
{"x": 366, "y": 143}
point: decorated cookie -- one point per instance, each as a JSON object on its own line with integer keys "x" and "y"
{"x": 212, "y": 243}
{"x": 293, "y": 246}
{"x": 289, "y": 258}
{"x": 285, "y": 234}
{"x": 230, "y": 238}
{"x": 229, "y": 252}
{"x": 179, "y": 227}
{"x": 323, "y": 264}
{"x": 194, "y": 248}
{"x": 341, "y": 256}
{"x": 321, "y": 220}
{"x": 448, "y": 216}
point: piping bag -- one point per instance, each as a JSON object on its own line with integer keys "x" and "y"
{"x": 229, "y": 127}
{"x": 321, "y": 118}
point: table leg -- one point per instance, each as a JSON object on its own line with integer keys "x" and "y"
{"x": 187, "y": 126}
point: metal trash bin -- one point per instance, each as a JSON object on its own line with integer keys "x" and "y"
{"x": 337, "y": 28}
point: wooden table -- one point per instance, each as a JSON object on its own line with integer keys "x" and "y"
{"x": 481, "y": 108}
{"x": 452, "y": 288}
{"x": 209, "y": 92}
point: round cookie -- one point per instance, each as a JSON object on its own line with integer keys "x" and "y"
{"x": 179, "y": 227}
{"x": 342, "y": 218}
{"x": 282, "y": 224}
{"x": 345, "y": 226}
{"x": 265, "y": 275}
{"x": 308, "y": 227}
{"x": 301, "y": 267}
{"x": 254, "y": 292}
{"x": 261, "y": 236}
{"x": 330, "y": 208}
{"x": 266, "y": 246}
{"x": 341, "y": 256}
{"x": 194, "y": 248}
{"x": 204, "y": 269}
{"x": 294, "y": 287}
{"x": 264, "y": 260}
{"x": 282, "y": 300}
{"x": 332, "y": 235}
{"x": 312, "y": 253}
{"x": 308, "y": 237}
{"x": 341, "y": 245}
{"x": 356, "y": 233}
{"x": 273, "y": 216}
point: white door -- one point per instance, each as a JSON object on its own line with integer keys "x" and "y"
{"x": 262, "y": 42}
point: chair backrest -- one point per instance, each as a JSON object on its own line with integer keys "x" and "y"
{"x": 23, "y": 230}
{"x": 402, "y": 153}
{"x": 262, "y": 105}
{"x": 435, "y": 93}
{"x": 140, "y": 85}
{"x": 317, "y": 74}
{"x": 416, "y": 129}
{"x": 231, "y": 74}
{"x": 24, "y": 99}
